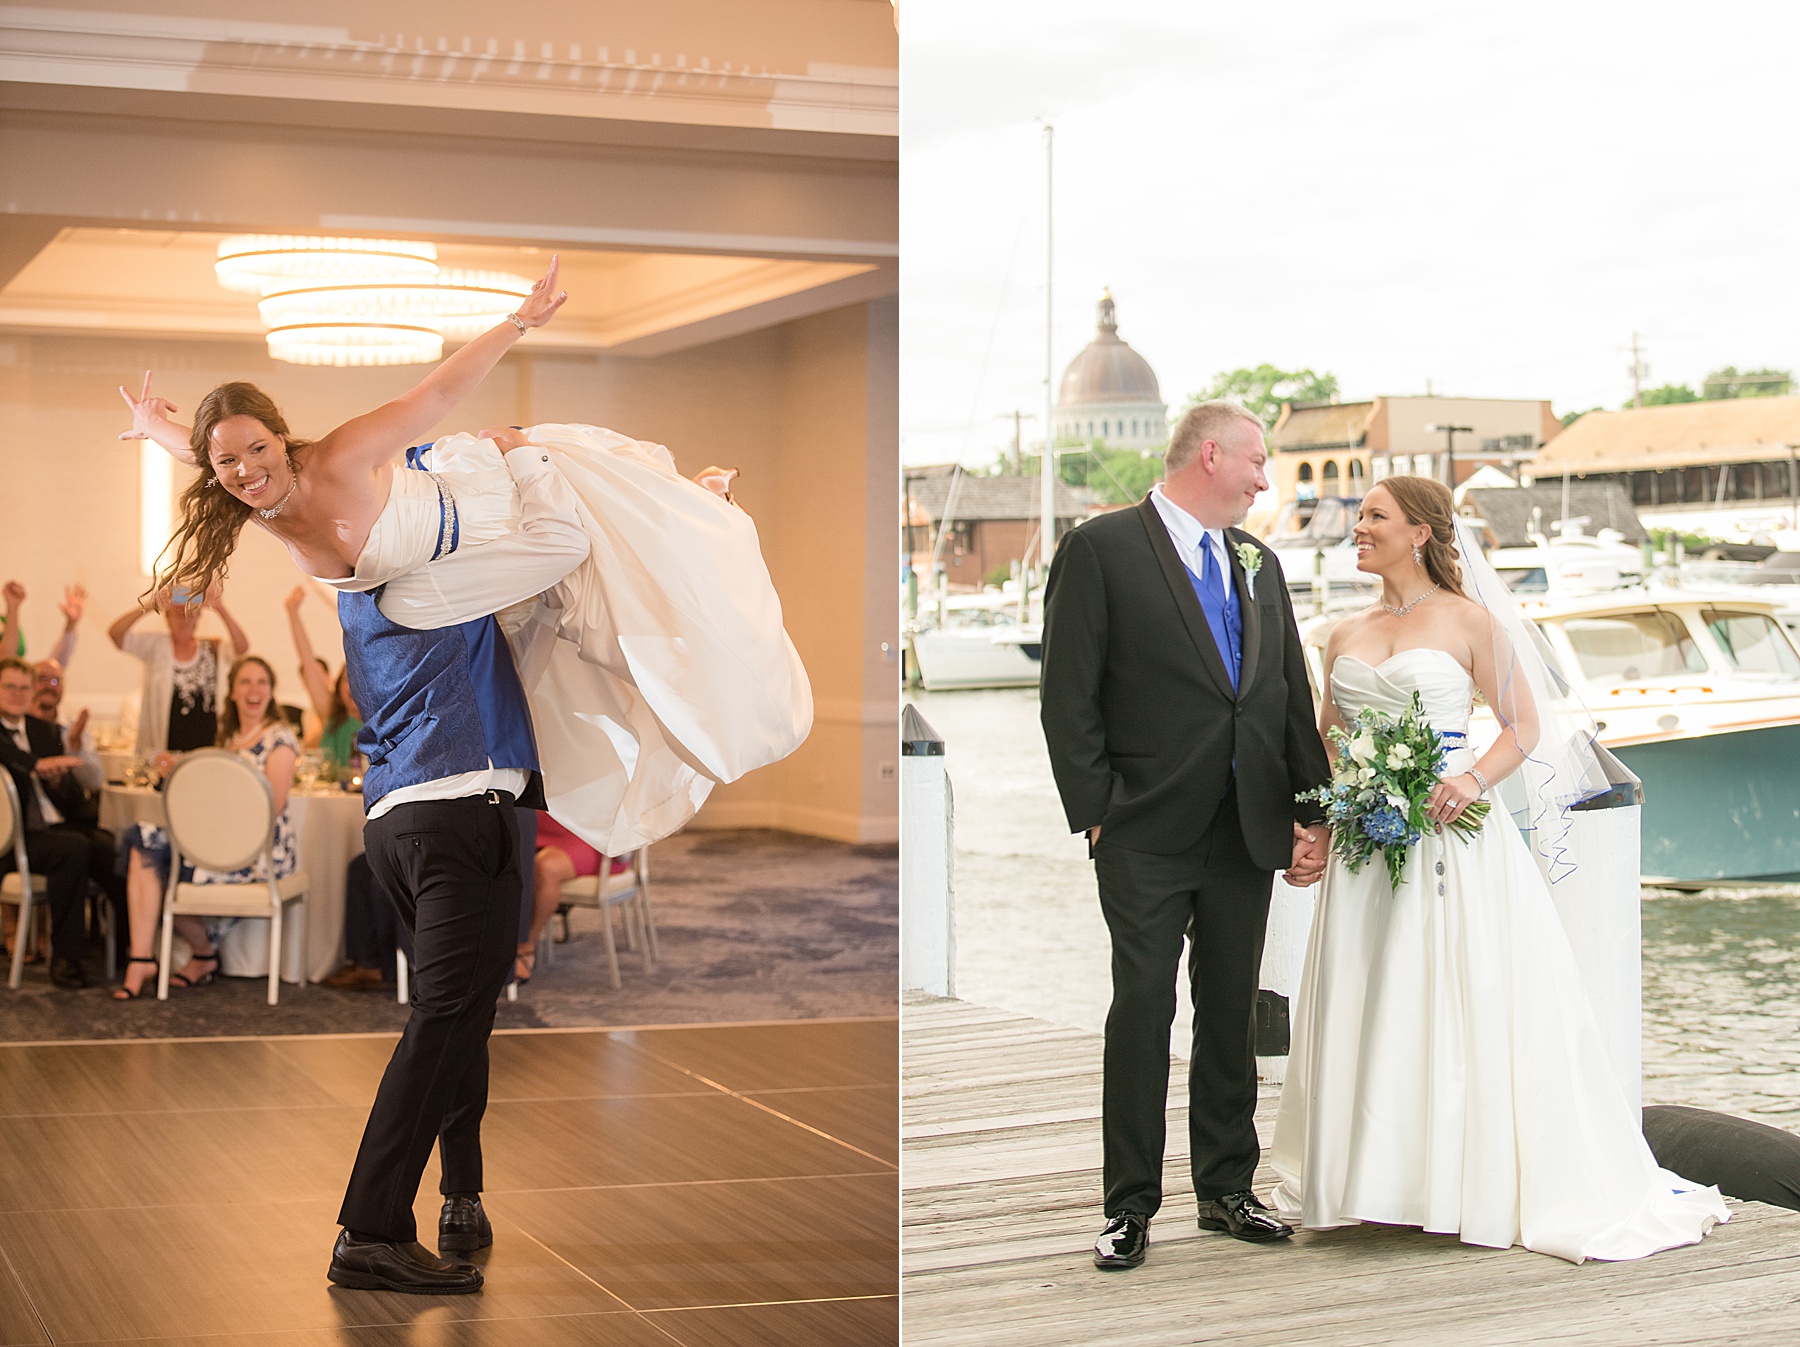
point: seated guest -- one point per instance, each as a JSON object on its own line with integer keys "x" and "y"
{"x": 372, "y": 933}
{"x": 331, "y": 698}
{"x": 180, "y": 703}
{"x": 12, "y": 636}
{"x": 560, "y": 856}
{"x": 248, "y": 727}
{"x": 31, "y": 750}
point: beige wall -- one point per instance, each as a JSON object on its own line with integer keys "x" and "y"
{"x": 805, "y": 410}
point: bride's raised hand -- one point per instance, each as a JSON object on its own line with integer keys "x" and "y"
{"x": 150, "y": 420}
{"x": 545, "y": 299}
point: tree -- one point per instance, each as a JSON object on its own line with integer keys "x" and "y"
{"x": 1263, "y": 389}
{"x": 1752, "y": 383}
{"x": 1667, "y": 394}
{"x": 1112, "y": 476}
{"x": 1570, "y": 418}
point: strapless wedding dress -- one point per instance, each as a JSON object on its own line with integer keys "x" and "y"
{"x": 659, "y": 667}
{"x": 1446, "y": 1071}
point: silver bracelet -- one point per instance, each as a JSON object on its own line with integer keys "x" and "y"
{"x": 1476, "y": 773}
{"x": 516, "y": 321}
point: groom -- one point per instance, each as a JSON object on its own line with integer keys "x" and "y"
{"x": 450, "y": 749}
{"x": 1180, "y": 725}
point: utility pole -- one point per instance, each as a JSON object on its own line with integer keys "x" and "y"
{"x": 1450, "y": 433}
{"x": 1639, "y": 372}
{"x": 1018, "y": 447}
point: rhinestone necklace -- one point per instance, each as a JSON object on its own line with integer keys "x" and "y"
{"x": 1401, "y": 611}
{"x": 281, "y": 504}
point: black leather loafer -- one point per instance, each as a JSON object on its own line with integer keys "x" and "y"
{"x": 67, "y": 974}
{"x": 371, "y": 1265}
{"x": 1122, "y": 1243}
{"x": 463, "y": 1226}
{"x": 1241, "y": 1216}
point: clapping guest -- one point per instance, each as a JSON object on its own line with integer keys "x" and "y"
{"x": 249, "y": 727}
{"x": 12, "y": 638}
{"x": 332, "y": 700}
{"x": 31, "y": 750}
{"x": 179, "y": 710}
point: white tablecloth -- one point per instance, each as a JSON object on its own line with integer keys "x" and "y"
{"x": 330, "y": 824}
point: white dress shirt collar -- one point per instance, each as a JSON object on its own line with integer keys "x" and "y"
{"x": 1187, "y": 533}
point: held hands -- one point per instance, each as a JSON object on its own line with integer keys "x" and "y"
{"x": 1312, "y": 847}
{"x": 540, "y": 306}
{"x": 150, "y": 421}
{"x": 1450, "y": 797}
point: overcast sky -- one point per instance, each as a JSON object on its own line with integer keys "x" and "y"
{"x": 1489, "y": 198}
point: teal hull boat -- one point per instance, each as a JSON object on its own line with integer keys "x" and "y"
{"x": 1721, "y": 808}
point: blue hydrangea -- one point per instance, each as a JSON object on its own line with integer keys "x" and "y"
{"x": 1386, "y": 827}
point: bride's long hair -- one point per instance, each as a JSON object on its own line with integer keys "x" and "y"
{"x": 1424, "y": 500}
{"x": 211, "y": 517}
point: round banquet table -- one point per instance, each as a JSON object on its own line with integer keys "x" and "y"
{"x": 330, "y": 826}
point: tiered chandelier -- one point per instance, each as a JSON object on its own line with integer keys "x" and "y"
{"x": 335, "y": 301}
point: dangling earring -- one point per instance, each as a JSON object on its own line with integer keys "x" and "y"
{"x": 1418, "y": 557}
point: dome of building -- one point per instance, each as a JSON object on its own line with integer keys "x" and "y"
{"x": 1109, "y": 393}
{"x": 1108, "y": 370}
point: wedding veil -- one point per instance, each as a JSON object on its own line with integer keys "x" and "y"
{"x": 1543, "y": 713}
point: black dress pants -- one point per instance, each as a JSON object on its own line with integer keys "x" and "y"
{"x": 1214, "y": 892}
{"x": 452, "y": 870}
{"x": 102, "y": 870}
{"x": 60, "y": 860}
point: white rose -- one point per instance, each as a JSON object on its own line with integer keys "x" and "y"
{"x": 1366, "y": 775}
{"x": 1362, "y": 748}
{"x": 1397, "y": 802}
{"x": 1396, "y": 759}
{"x": 1400, "y": 751}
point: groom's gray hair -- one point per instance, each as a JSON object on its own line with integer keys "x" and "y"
{"x": 1202, "y": 422}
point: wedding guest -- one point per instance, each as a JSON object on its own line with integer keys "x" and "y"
{"x": 80, "y": 801}
{"x": 12, "y": 637}
{"x": 561, "y": 856}
{"x": 179, "y": 708}
{"x": 31, "y": 751}
{"x": 249, "y": 727}
{"x": 332, "y": 700}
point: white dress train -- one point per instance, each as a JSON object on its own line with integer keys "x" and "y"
{"x": 1446, "y": 1070}
{"x": 660, "y": 666}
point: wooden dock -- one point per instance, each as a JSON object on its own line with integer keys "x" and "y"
{"x": 1000, "y": 1178}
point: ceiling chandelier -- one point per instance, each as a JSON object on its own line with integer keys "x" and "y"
{"x": 336, "y": 301}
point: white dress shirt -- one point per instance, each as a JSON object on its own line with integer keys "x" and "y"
{"x": 1189, "y": 535}
{"x": 479, "y": 581}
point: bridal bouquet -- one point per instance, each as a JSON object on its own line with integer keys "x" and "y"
{"x": 1385, "y": 770}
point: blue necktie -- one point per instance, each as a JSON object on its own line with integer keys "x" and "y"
{"x": 1209, "y": 570}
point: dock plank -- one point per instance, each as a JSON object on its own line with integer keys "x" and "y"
{"x": 1000, "y": 1177}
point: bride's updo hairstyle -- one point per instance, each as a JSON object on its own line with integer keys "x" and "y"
{"x": 1424, "y": 500}
{"x": 211, "y": 517}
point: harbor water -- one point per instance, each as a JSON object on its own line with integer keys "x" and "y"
{"x": 1721, "y": 967}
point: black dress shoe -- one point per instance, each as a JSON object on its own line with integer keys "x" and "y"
{"x": 462, "y": 1225}
{"x": 371, "y": 1265}
{"x": 1241, "y": 1216}
{"x": 67, "y": 974}
{"x": 1123, "y": 1242}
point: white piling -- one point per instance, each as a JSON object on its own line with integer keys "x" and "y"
{"x": 927, "y": 861}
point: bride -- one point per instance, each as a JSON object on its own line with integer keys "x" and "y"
{"x": 1446, "y": 1069}
{"x": 658, "y": 668}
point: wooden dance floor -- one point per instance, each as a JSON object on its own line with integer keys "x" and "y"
{"x": 705, "y": 1185}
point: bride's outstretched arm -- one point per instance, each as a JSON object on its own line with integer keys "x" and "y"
{"x": 366, "y": 442}
{"x": 151, "y": 420}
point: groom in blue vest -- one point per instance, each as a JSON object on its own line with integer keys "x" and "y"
{"x": 1180, "y": 725}
{"x": 448, "y": 738}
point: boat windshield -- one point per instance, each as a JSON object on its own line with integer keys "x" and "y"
{"x": 1525, "y": 579}
{"x": 1753, "y": 642}
{"x": 1631, "y": 647}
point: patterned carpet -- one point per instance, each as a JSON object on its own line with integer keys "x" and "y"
{"x": 753, "y": 925}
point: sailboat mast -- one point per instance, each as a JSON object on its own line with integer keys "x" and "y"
{"x": 1047, "y": 514}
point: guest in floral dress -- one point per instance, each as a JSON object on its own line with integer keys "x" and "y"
{"x": 250, "y": 727}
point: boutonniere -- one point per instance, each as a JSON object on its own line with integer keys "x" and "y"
{"x": 1249, "y": 556}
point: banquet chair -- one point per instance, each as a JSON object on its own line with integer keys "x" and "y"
{"x": 221, "y": 815}
{"x": 629, "y": 891}
{"x": 21, "y": 889}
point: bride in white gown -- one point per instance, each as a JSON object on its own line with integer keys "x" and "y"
{"x": 1446, "y": 1070}
{"x": 655, "y": 670}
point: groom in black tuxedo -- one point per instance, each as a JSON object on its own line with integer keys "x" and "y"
{"x": 1181, "y": 726}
